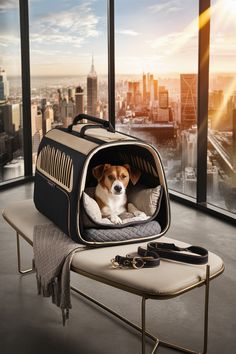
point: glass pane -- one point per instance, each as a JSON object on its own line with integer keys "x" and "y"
{"x": 156, "y": 81}
{"x": 11, "y": 127}
{"x": 68, "y": 41}
{"x": 221, "y": 172}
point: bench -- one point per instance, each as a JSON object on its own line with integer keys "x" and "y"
{"x": 171, "y": 278}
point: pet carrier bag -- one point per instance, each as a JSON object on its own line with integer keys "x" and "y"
{"x": 64, "y": 183}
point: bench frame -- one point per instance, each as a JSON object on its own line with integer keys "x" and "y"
{"x": 144, "y": 333}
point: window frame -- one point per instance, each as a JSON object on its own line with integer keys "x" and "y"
{"x": 200, "y": 202}
{"x": 26, "y": 90}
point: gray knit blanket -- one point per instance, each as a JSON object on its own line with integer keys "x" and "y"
{"x": 53, "y": 253}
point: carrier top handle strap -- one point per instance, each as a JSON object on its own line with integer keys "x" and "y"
{"x": 102, "y": 123}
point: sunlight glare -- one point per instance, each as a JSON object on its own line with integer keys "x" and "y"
{"x": 227, "y": 94}
{"x": 230, "y": 5}
{"x": 225, "y": 8}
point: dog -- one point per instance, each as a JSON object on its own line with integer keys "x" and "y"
{"x": 110, "y": 192}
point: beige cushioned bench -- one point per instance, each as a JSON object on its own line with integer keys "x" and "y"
{"x": 171, "y": 278}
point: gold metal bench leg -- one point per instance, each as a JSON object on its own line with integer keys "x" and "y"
{"x": 21, "y": 271}
{"x": 205, "y": 336}
{"x": 143, "y": 325}
{"x": 145, "y": 333}
{"x": 206, "y": 309}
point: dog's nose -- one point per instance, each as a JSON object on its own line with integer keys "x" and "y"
{"x": 117, "y": 188}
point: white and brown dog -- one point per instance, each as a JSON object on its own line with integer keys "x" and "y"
{"x": 110, "y": 193}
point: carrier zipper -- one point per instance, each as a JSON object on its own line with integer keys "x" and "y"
{"x": 52, "y": 184}
{"x": 82, "y": 184}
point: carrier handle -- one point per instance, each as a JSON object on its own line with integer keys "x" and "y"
{"x": 103, "y": 123}
{"x": 87, "y": 127}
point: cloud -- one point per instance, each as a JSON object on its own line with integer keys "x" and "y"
{"x": 173, "y": 42}
{"x": 167, "y": 6}
{"x": 222, "y": 45}
{"x": 73, "y": 26}
{"x": 128, "y": 32}
{"x": 181, "y": 42}
{"x": 8, "y": 39}
{"x": 54, "y": 38}
{"x": 8, "y": 5}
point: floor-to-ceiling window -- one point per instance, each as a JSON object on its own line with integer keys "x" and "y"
{"x": 11, "y": 126}
{"x": 156, "y": 74}
{"x": 156, "y": 81}
{"x": 221, "y": 173}
{"x": 68, "y": 46}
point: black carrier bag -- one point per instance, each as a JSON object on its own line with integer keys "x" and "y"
{"x": 65, "y": 185}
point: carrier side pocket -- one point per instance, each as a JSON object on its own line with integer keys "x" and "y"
{"x": 52, "y": 201}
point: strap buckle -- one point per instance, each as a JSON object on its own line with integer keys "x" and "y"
{"x": 135, "y": 262}
{"x": 138, "y": 262}
{"x": 115, "y": 264}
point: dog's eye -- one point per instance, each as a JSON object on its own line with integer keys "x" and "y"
{"x": 123, "y": 176}
{"x": 111, "y": 178}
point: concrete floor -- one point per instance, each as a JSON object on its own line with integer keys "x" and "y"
{"x": 30, "y": 324}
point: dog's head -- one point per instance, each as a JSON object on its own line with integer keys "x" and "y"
{"x": 115, "y": 178}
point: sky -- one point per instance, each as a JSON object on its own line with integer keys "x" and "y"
{"x": 158, "y": 36}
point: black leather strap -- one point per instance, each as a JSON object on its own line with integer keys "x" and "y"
{"x": 194, "y": 255}
{"x": 150, "y": 257}
{"x": 142, "y": 259}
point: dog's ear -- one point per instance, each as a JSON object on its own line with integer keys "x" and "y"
{"x": 134, "y": 173}
{"x": 98, "y": 171}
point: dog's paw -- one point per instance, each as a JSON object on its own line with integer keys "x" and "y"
{"x": 115, "y": 219}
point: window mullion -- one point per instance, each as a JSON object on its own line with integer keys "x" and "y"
{"x": 111, "y": 62}
{"x": 203, "y": 87}
{"x": 26, "y": 94}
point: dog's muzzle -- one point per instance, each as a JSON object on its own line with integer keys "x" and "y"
{"x": 118, "y": 188}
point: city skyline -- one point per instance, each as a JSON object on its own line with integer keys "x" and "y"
{"x": 156, "y": 82}
{"x": 148, "y": 108}
{"x": 147, "y": 36}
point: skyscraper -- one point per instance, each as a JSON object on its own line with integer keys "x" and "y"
{"x": 134, "y": 96}
{"x": 144, "y": 89}
{"x": 11, "y": 118}
{"x": 71, "y": 94}
{"x": 155, "y": 89}
{"x": 43, "y": 107}
{"x": 79, "y": 100}
{"x": 218, "y": 112}
{"x": 4, "y": 86}
{"x": 92, "y": 91}
{"x": 59, "y": 96}
{"x": 163, "y": 97}
{"x": 151, "y": 87}
{"x": 188, "y": 92}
